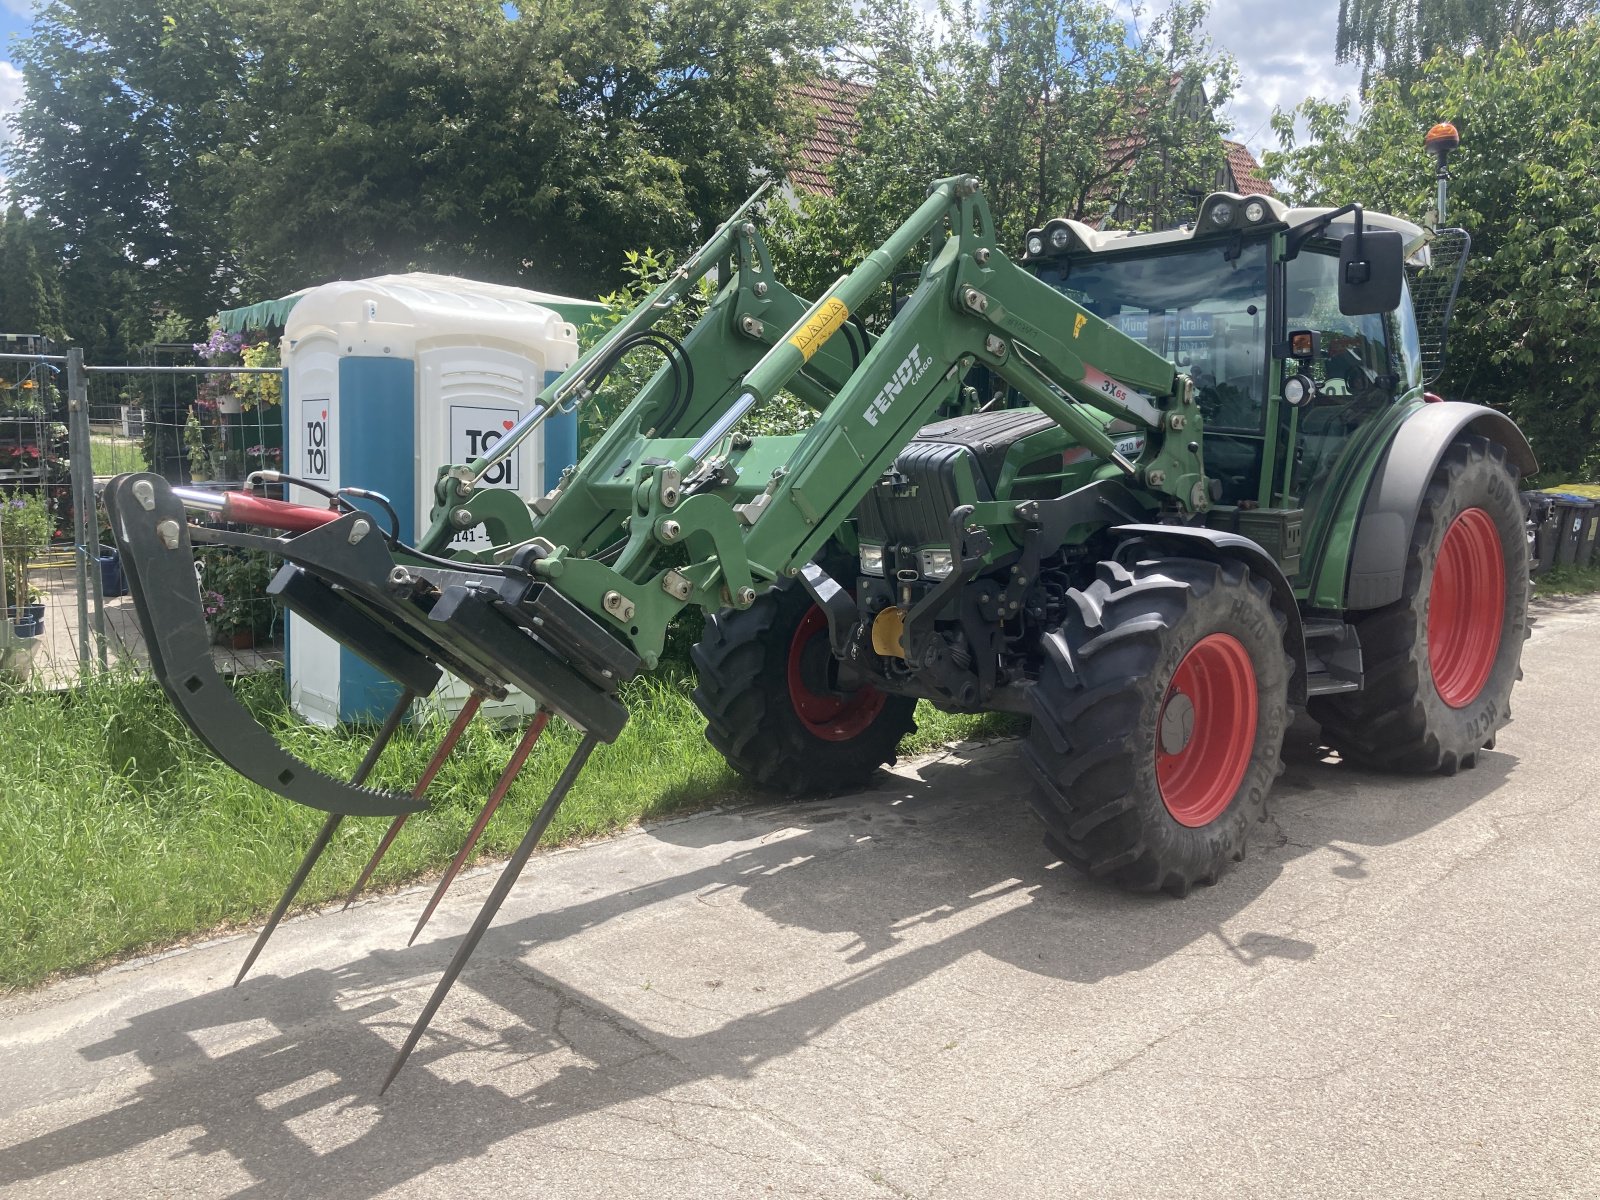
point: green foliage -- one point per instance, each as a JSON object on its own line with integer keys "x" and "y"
{"x": 1527, "y": 327}
{"x": 224, "y": 148}
{"x": 25, "y": 529}
{"x": 1396, "y": 37}
{"x": 122, "y": 832}
{"x": 233, "y": 589}
{"x": 31, "y": 294}
{"x": 1048, "y": 102}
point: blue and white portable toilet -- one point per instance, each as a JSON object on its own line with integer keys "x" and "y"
{"x": 388, "y": 380}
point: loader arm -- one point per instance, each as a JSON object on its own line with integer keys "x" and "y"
{"x": 675, "y": 505}
{"x": 674, "y": 475}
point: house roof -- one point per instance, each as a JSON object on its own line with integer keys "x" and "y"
{"x": 1248, "y": 179}
{"x": 835, "y": 104}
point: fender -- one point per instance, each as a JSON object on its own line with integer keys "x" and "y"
{"x": 1216, "y": 545}
{"x": 1394, "y": 496}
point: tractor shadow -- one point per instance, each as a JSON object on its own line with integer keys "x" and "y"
{"x": 280, "y": 1077}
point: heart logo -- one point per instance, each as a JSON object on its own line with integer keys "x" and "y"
{"x": 508, "y": 424}
{"x": 324, "y": 414}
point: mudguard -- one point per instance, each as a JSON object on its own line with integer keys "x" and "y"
{"x": 1217, "y": 545}
{"x": 1394, "y": 497}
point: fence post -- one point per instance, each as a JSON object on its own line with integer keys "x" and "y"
{"x": 86, "y": 526}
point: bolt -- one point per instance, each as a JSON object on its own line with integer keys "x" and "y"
{"x": 791, "y": 572}
{"x": 995, "y": 345}
{"x": 981, "y": 255}
{"x": 668, "y": 531}
{"x": 748, "y": 228}
{"x": 359, "y": 530}
{"x": 462, "y": 518}
{"x": 168, "y": 532}
{"x": 144, "y": 494}
{"x": 750, "y": 326}
{"x": 746, "y": 597}
{"x": 1177, "y": 421}
{"x": 399, "y": 579}
{"x": 761, "y": 288}
{"x": 1155, "y": 478}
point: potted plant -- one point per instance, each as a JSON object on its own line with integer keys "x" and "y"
{"x": 25, "y": 527}
{"x": 234, "y": 595}
{"x": 194, "y": 445}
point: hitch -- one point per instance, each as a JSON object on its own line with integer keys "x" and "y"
{"x": 411, "y": 616}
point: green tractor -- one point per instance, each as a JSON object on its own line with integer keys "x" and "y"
{"x": 1154, "y": 491}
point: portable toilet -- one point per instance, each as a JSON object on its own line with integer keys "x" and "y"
{"x": 388, "y": 380}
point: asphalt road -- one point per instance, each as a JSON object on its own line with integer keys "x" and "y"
{"x": 899, "y": 995}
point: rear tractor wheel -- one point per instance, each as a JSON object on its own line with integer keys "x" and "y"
{"x": 1158, "y": 720}
{"x": 1441, "y": 661}
{"x": 770, "y": 694}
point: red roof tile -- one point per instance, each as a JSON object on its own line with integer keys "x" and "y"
{"x": 1246, "y": 171}
{"x": 833, "y": 103}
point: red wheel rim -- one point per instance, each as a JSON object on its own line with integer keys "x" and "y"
{"x": 1466, "y": 607}
{"x": 831, "y": 718}
{"x": 1206, "y": 730}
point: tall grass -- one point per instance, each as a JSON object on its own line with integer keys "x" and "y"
{"x": 119, "y": 832}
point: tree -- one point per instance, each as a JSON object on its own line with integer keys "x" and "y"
{"x": 30, "y": 284}
{"x": 213, "y": 150}
{"x": 1527, "y": 327}
{"x": 1049, "y": 102}
{"x": 1395, "y": 37}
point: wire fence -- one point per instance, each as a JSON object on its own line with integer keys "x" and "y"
{"x": 68, "y": 614}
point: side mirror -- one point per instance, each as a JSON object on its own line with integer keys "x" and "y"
{"x": 1372, "y": 265}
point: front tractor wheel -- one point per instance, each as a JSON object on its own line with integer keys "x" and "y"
{"x": 770, "y": 694}
{"x": 1441, "y": 661}
{"x": 1158, "y": 720}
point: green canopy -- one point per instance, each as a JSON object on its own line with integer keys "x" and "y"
{"x": 264, "y": 314}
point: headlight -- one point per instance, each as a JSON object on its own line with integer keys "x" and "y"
{"x": 936, "y": 564}
{"x": 871, "y": 559}
{"x": 1254, "y": 212}
{"x": 1222, "y": 214}
{"x": 1059, "y": 237}
{"x": 1035, "y": 246}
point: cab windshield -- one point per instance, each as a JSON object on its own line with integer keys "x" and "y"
{"x": 1204, "y": 309}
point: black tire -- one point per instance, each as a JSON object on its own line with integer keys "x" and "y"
{"x": 1400, "y": 721}
{"x": 1105, "y": 684}
{"x": 743, "y": 663}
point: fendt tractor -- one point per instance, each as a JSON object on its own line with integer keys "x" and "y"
{"x": 1153, "y": 491}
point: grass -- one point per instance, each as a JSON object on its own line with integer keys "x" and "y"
{"x": 1567, "y": 581}
{"x": 120, "y": 833}
{"x": 113, "y": 456}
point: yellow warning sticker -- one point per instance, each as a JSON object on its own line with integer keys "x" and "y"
{"x": 819, "y": 327}
{"x": 1078, "y": 323}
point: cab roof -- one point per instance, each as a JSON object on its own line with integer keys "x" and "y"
{"x": 1220, "y": 213}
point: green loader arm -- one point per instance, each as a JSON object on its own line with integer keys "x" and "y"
{"x": 674, "y": 506}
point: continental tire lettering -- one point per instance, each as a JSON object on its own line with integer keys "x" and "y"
{"x": 819, "y": 327}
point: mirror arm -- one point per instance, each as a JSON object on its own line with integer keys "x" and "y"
{"x": 1301, "y": 234}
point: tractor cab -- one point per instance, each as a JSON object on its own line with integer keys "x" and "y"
{"x": 1250, "y": 301}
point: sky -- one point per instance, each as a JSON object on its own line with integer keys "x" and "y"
{"x": 1285, "y": 53}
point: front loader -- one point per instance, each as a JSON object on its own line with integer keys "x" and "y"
{"x": 1152, "y": 491}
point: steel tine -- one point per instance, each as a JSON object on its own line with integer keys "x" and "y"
{"x": 325, "y": 834}
{"x": 503, "y": 785}
{"x": 502, "y": 889}
{"x": 453, "y": 735}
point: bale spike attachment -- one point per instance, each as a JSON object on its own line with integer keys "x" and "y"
{"x": 325, "y": 834}
{"x": 453, "y": 735}
{"x": 513, "y": 768}
{"x": 491, "y": 906}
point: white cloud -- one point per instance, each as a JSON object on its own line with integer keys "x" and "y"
{"x": 10, "y": 96}
{"x": 1285, "y": 53}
